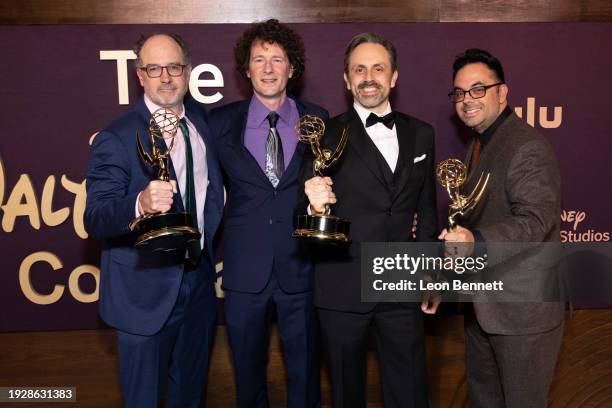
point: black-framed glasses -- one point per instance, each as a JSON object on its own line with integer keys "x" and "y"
{"x": 477, "y": 92}
{"x": 155, "y": 71}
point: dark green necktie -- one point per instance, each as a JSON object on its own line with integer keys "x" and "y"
{"x": 194, "y": 249}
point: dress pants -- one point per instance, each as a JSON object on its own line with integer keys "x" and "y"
{"x": 401, "y": 354}
{"x": 248, "y": 318}
{"x": 178, "y": 354}
{"x": 509, "y": 371}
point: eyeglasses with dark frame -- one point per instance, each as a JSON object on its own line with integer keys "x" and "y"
{"x": 477, "y": 92}
{"x": 155, "y": 71}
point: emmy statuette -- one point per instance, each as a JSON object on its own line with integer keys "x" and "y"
{"x": 451, "y": 174}
{"x": 162, "y": 231}
{"x": 324, "y": 227}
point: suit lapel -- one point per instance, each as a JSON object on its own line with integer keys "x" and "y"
{"x": 214, "y": 172}
{"x": 365, "y": 148}
{"x": 237, "y": 142}
{"x": 488, "y": 154}
{"x": 296, "y": 160}
{"x": 294, "y": 164}
{"x": 407, "y": 145}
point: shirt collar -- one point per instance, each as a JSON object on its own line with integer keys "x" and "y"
{"x": 258, "y": 112}
{"x": 486, "y": 136}
{"x": 364, "y": 113}
{"x": 152, "y": 106}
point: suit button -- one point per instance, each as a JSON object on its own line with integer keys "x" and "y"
{"x": 270, "y": 221}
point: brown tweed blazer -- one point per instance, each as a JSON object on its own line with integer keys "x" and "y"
{"x": 521, "y": 205}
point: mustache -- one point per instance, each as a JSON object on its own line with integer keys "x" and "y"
{"x": 367, "y": 84}
{"x": 470, "y": 106}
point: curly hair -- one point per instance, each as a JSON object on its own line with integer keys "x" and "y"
{"x": 272, "y": 32}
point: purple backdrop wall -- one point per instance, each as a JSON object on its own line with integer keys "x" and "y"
{"x": 58, "y": 92}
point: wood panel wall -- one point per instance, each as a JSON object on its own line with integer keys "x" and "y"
{"x": 298, "y": 11}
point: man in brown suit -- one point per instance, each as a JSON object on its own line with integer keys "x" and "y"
{"x": 511, "y": 348}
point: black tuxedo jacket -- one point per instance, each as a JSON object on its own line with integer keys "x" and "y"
{"x": 380, "y": 204}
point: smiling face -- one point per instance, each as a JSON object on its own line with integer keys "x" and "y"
{"x": 480, "y": 113}
{"x": 370, "y": 76}
{"x": 269, "y": 71}
{"x": 166, "y": 91}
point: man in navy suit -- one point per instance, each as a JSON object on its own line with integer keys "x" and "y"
{"x": 265, "y": 270}
{"x": 162, "y": 304}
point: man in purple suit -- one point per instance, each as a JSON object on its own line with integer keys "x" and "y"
{"x": 265, "y": 271}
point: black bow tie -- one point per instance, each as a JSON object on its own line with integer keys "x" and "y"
{"x": 387, "y": 120}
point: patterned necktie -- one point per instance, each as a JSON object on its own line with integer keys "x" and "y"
{"x": 275, "y": 161}
{"x": 194, "y": 249}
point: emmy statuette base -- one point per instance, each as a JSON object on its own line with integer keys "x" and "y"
{"x": 165, "y": 232}
{"x": 323, "y": 229}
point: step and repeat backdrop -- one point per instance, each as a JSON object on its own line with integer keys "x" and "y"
{"x": 62, "y": 84}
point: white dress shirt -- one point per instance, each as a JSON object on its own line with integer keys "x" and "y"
{"x": 384, "y": 138}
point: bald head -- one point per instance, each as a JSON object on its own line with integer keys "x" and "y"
{"x": 177, "y": 39}
{"x": 161, "y": 51}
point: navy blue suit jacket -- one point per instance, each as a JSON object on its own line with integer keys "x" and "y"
{"x": 258, "y": 219}
{"x": 138, "y": 288}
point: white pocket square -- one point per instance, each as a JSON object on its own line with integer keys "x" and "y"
{"x": 420, "y": 158}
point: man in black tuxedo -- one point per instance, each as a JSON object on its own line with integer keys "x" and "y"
{"x": 384, "y": 177}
